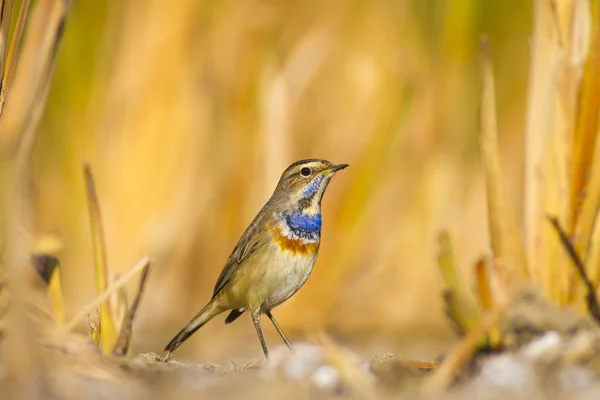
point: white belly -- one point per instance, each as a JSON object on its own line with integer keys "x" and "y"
{"x": 290, "y": 271}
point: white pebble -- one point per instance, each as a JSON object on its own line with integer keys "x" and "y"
{"x": 326, "y": 377}
{"x": 546, "y": 348}
{"x": 508, "y": 372}
{"x": 300, "y": 363}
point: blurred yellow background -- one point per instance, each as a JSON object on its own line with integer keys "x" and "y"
{"x": 189, "y": 111}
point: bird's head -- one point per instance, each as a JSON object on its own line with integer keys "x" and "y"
{"x": 303, "y": 183}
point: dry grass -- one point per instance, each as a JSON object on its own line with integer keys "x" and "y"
{"x": 189, "y": 114}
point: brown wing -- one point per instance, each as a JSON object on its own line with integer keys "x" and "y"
{"x": 252, "y": 240}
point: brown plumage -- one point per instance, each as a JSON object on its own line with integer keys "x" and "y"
{"x": 275, "y": 254}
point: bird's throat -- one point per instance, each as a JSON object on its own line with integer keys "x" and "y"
{"x": 303, "y": 221}
{"x": 300, "y": 225}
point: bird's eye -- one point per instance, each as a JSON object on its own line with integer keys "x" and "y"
{"x": 305, "y": 171}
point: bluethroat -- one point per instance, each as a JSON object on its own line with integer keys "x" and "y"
{"x": 274, "y": 256}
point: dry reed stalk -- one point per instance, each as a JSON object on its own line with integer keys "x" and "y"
{"x": 559, "y": 37}
{"x": 538, "y": 119}
{"x": 586, "y": 130}
{"x": 55, "y": 293}
{"x": 489, "y": 294}
{"x": 592, "y": 259}
{"x": 569, "y": 51}
{"x": 554, "y": 184}
{"x": 5, "y": 17}
{"x": 123, "y": 342}
{"x": 34, "y": 71}
{"x": 23, "y": 359}
{"x": 459, "y": 303}
{"x": 14, "y": 48}
{"x": 588, "y": 222}
{"x": 585, "y": 188}
{"x": 504, "y": 232}
{"x": 483, "y": 284}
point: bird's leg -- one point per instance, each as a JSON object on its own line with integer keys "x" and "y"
{"x": 279, "y": 330}
{"x": 256, "y": 321}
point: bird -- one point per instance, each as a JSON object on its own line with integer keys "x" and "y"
{"x": 274, "y": 256}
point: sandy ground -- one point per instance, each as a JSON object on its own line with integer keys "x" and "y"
{"x": 546, "y": 354}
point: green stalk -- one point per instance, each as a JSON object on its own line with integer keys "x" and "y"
{"x": 108, "y": 335}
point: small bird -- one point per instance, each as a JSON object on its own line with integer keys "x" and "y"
{"x": 274, "y": 256}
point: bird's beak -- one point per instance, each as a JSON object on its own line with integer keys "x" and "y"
{"x": 338, "y": 167}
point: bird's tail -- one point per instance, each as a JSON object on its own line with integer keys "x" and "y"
{"x": 203, "y": 316}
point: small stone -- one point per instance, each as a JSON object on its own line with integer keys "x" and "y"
{"x": 326, "y": 377}
{"x": 298, "y": 364}
{"x": 545, "y": 349}
{"x": 507, "y": 371}
{"x": 393, "y": 373}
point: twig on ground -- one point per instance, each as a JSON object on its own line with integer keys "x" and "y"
{"x": 124, "y": 340}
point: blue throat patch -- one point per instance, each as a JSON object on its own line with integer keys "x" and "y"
{"x": 312, "y": 188}
{"x": 299, "y": 222}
